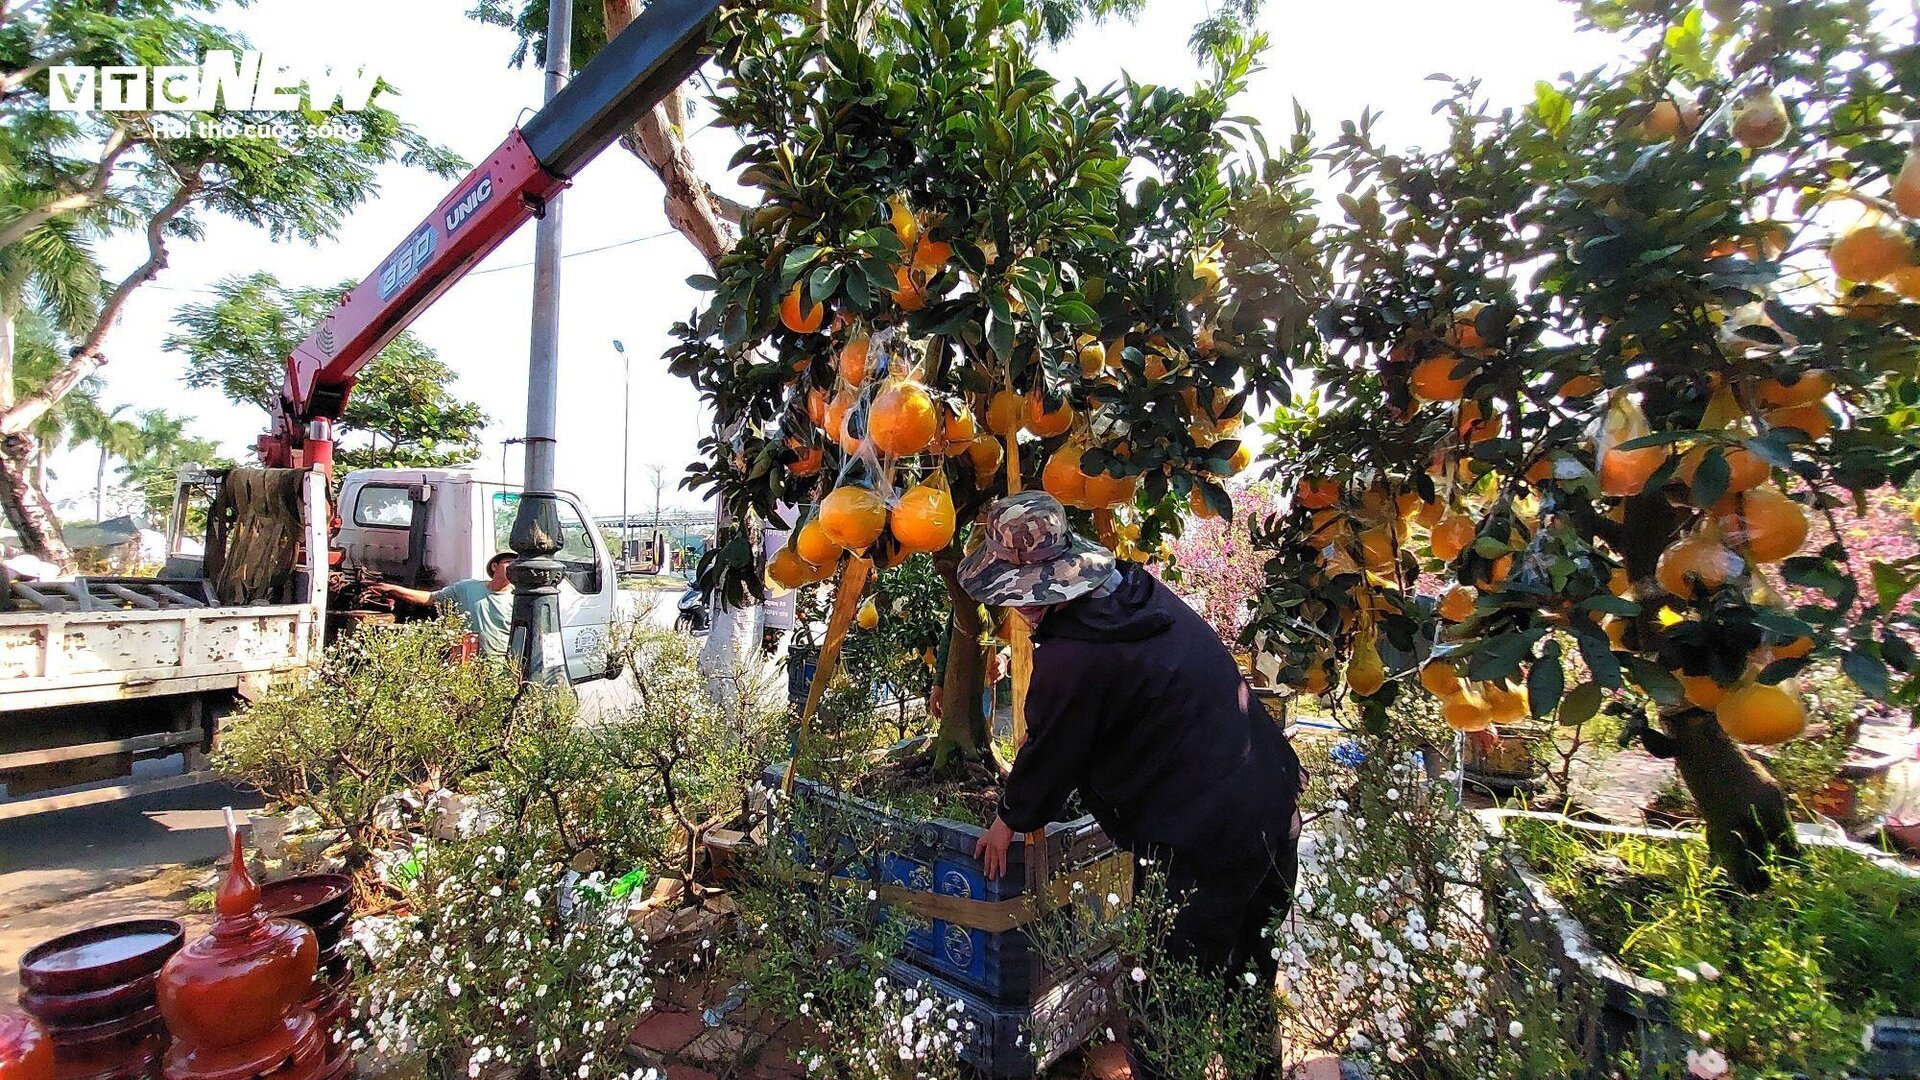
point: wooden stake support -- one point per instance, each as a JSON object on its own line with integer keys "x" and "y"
{"x": 846, "y": 601}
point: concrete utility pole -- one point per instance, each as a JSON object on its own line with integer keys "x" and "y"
{"x": 535, "y": 637}
{"x": 626, "y": 447}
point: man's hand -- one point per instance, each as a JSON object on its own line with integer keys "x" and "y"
{"x": 998, "y": 661}
{"x": 935, "y": 701}
{"x": 992, "y": 849}
{"x": 1485, "y": 740}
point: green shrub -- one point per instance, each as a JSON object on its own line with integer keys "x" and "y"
{"x": 1782, "y": 981}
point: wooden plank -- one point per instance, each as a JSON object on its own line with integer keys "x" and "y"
{"x": 80, "y": 751}
{"x": 93, "y": 796}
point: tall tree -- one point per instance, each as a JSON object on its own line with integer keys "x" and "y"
{"x": 153, "y": 173}
{"x": 162, "y": 448}
{"x": 238, "y": 342}
{"x": 113, "y": 437}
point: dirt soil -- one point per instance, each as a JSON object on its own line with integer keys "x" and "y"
{"x": 973, "y": 796}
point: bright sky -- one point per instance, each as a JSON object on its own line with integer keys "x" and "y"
{"x": 625, "y": 280}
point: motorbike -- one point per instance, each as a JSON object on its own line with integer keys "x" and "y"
{"x": 692, "y": 612}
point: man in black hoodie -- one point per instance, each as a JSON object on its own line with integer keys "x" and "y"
{"x": 1137, "y": 704}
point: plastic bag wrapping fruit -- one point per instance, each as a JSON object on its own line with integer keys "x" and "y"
{"x": 1903, "y": 802}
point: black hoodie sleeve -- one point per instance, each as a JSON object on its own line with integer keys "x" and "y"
{"x": 1061, "y": 728}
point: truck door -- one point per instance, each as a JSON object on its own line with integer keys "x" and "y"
{"x": 587, "y": 589}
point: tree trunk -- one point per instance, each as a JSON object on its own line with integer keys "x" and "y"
{"x": 1742, "y": 807}
{"x": 100, "y": 487}
{"x": 966, "y": 728}
{"x": 26, "y": 504}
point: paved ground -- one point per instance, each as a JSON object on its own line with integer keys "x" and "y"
{"x": 139, "y": 858}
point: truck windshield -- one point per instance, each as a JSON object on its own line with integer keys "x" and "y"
{"x": 576, "y": 543}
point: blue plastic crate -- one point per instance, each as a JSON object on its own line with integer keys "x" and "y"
{"x": 1001, "y": 969}
{"x": 1016, "y": 1041}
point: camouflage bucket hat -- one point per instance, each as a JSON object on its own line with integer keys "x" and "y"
{"x": 1030, "y": 556}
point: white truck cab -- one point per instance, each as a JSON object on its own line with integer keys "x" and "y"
{"x": 428, "y": 528}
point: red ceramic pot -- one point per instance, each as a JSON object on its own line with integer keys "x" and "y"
{"x": 236, "y": 985}
{"x": 91, "y": 1006}
{"x": 100, "y": 956}
{"x": 26, "y": 1053}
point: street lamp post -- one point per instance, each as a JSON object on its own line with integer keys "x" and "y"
{"x": 626, "y": 450}
{"x": 534, "y": 641}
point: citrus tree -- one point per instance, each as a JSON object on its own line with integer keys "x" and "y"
{"x": 1597, "y": 379}
{"x": 956, "y": 263}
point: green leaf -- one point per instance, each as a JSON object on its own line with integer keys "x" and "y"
{"x": 1580, "y": 704}
{"x": 1546, "y": 682}
{"x": 1890, "y": 583}
{"x": 1711, "y": 478}
{"x": 1551, "y": 108}
{"x": 1657, "y": 681}
{"x": 1609, "y": 604}
{"x": 1597, "y": 651}
{"x": 1868, "y": 672}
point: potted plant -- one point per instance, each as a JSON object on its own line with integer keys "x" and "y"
{"x": 955, "y": 286}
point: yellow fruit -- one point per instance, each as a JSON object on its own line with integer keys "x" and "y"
{"x": 788, "y": 570}
{"x": 1762, "y": 715}
{"x": 1466, "y": 711}
{"x": 797, "y": 320}
{"x": 905, "y": 225}
{"x": 1093, "y": 359}
{"x": 1870, "y": 252}
{"x": 1700, "y": 558}
{"x": 1242, "y": 458}
{"x": 1760, "y": 119}
{"x": 1764, "y": 523}
{"x": 1506, "y": 702}
{"x": 1366, "y": 674}
{"x": 1044, "y": 422}
{"x": 852, "y": 516}
{"x": 869, "y": 614}
{"x": 814, "y": 545}
{"x": 1434, "y": 380}
{"x": 923, "y": 520}
{"x": 1005, "y": 411}
{"x": 1451, "y": 537}
{"x": 902, "y": 419}
{"x": 1440, "y": 679}
{"x": 1062, "y": 478}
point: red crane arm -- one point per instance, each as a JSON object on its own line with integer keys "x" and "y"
{"x": 658, "y": 51}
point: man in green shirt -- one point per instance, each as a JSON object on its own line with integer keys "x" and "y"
{"x": 487, "y": 604}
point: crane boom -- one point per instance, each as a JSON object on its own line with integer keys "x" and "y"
{"x": 638, "y": 68}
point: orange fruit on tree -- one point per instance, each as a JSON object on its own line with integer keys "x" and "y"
{"x": 1745, "y": 469}
{"x": 1061, "y": 476}
{"x": 985, "y": 454}
{"x": 1477, "y": 423}
{"x": 1433, "y": 379}
{"x": 903, "y": 418}
{"x": 908, "y": 293}
{"x": 1813, "y": 419}
{"x": 852, "y": 516}
{"x": 1241, "y": 459}
{"x": 1377, "y": 549}
{"x": 1809, "y": 387}
{"x": 1465, "y": 331}
{"x": 833, "y": 418}
{"x": 1906, "y": 282}
{"x": 852, "y": 363}
{"x": 813, "y": 544}
{"x": 930, "y": 255}
{"x": 1197, "y": 502}
{"x": 808, "y": 462}
{"x": 1440, "y": 678}
{"x": 1761, "y": 715}
{"x": 1671, "y": 117}
{"x": 1506, "y": 702}
{"x": 817, "y": 406}
{"x": 1466, "y": 711}
{"x": 1005, "y": 412}
{"x": 1104, "y": 490}
{"x": 1759, "y": 119}
{"x": 1870, "y": 252}
{"x": 788, "y": 570}
{"x": 1317, "y": 493}
{"x": 1696, "y": 562}
{"x": 1314, "y": 681}
{"x": 1496, "y": 573}
{"x": 1579, "y": 386}
{"x": 1428, "y": 514}
{"x": 1763, "y": 522}
{"x": 1792, "y": 650}
{"x": 1046, "y": 422}
{"x": 905, "y": 225}
{"x": 1905, "y": 191}
{"x": 798, "y": 320}
{"x": 1451, "y": 537}
{"x": 958, "y": 428}
{"x": 923, "y": 520}
{"x": 1626, "y": 472}
{"x": 1700, "y": 690}
{"x": 1457, "y": 604}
